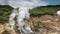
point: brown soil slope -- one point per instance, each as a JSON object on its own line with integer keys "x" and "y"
{"x": 46, "y": 24}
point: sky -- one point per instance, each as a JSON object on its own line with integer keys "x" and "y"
{"x": 52, "y": 2}
{"x": 29, "y": 3}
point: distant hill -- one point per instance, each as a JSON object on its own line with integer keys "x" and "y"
{"x": 50, "y": 9}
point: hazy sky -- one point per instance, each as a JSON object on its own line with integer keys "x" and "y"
{"x": 52, "y": 2}
{"x": 29, "y": 2}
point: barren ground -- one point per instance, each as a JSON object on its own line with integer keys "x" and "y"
{"x": 46, "y": 24}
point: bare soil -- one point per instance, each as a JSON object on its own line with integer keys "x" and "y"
{"x": 45, "y": 24}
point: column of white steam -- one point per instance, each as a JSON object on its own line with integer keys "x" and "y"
{"x": 23, "y": 13}
{"x": 58, "y": 12}
{"x": 11, "y": 18}
{"x": 20, "y": 19}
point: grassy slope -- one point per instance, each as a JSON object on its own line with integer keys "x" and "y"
{"x": 4, "y": 13}
{"x": 44, "y": 10}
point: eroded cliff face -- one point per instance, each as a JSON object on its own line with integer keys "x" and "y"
{"x": 45, "y": 24}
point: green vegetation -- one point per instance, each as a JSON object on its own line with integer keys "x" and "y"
{"x": 44, "y": 10}
{"x": 4, "y": 13}
{"x": 6, "y": 10}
